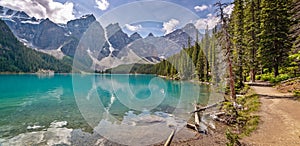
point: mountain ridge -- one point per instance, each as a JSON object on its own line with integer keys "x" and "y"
{"x": 15, "y": 57}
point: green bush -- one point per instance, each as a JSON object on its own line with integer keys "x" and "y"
{"x": 257, "y": 77}
{"x": 270, "y": 77}
{"x": 282, "y": 77}
{"x": 248, "y": 78}
{"x": 267, "y": 77}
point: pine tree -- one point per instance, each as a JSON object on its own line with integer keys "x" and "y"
{"x": 295, "y": 29}
{"x": 251, "y": 39}
{"x": 201, "y": 64}
{"x": 295, "y": 35}
{"x": 225, "y": 38}
{"x": 238, "y": 35}
{"x": 195, "y": 53}
{"x": 274, "y": 39}
{"x": 206, "y": 53}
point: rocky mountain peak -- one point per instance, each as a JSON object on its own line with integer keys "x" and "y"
{"x": 150, "y": 35}
{"x": 135, "y": 36}
{"x": 21, "y": 14}
{"x": 179, "y": 37}
{"x": 82, "y": 21}
{"x": 47, "y": 23}
{"x": 49, "y": 35}
{"x": 113, "y": 28}
{"x": 88, "y": 16}
{"x": 191, "y": 30}
{"x": 189, "y": 26}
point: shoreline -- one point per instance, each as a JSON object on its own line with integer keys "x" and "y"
{"x": 190, "y": 80}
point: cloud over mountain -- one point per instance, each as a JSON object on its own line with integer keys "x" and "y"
{"x": 170, "y": 26}
{"x": 56, "y": 11}
{"x": 211, "y": 21}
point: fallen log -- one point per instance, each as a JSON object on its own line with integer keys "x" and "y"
{"x": 169, "y": 140}
{"x": 212, "y": 114}
{"x": 204, "y": 108}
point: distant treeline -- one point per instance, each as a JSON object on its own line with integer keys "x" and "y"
{"x": 196, "y": 61}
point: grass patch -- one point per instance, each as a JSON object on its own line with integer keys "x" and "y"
{"x": 247, "y": 119}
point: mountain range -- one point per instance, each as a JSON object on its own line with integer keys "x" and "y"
{"x": 92, "y": 45}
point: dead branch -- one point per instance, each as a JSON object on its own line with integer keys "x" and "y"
{"x": 169, "y": 140}
{"x": 204, "y": 108}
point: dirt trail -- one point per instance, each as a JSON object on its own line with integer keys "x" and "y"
{"x": 280, "y": 119}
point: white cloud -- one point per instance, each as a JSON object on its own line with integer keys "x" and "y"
{"x": 102, "y": 4}
{"x": 132, "y": 27}
{"x": 55, "y": 11}
{"x": 211, "y": 21}
{"x": 228, "y": 10}
{"x": 170, "y": 26}
{"x": 201, "y": 8}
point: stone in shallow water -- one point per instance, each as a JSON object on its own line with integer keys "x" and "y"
{"x": 34, "y": 127}
{"x": 54, "y": 135}
{"x": 142, "y": 129}
{"x": 58, "y": 124}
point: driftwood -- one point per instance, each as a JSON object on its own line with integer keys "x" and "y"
{"x": 197, "y": 119}
{"x": 213, "y": 114}
{"x": 169, "y": 140}
{"x": 191, "y": 126}
{"x": 204, "y": 108}
{"x": 202, "y": 126}
{"x": 209, "y": 125}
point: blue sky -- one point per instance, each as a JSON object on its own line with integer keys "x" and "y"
{"x": 88, "y": 6}
{"x": 143, "y": 16}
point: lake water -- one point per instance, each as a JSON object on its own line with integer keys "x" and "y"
{"x": 30, "y": 103}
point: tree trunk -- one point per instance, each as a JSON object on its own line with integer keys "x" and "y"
{"x": 207, "y": 70}
{"x": 276, "y": 69}
{"x": 252, "y": 75}
{"x": 241, "y": 78}
{"x": 231, "y": 78}
{"x": 227, "y": 48}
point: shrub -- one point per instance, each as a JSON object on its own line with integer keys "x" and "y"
{"x": 258, "y": 77}
{"x": 248, "y": 78}
{"x": 270, "y": 77}
{"x": 267, "y": 77}
{"x": 282, "y": 77}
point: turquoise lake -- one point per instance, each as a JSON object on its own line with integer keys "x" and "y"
{"x": 85, "y": 100}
